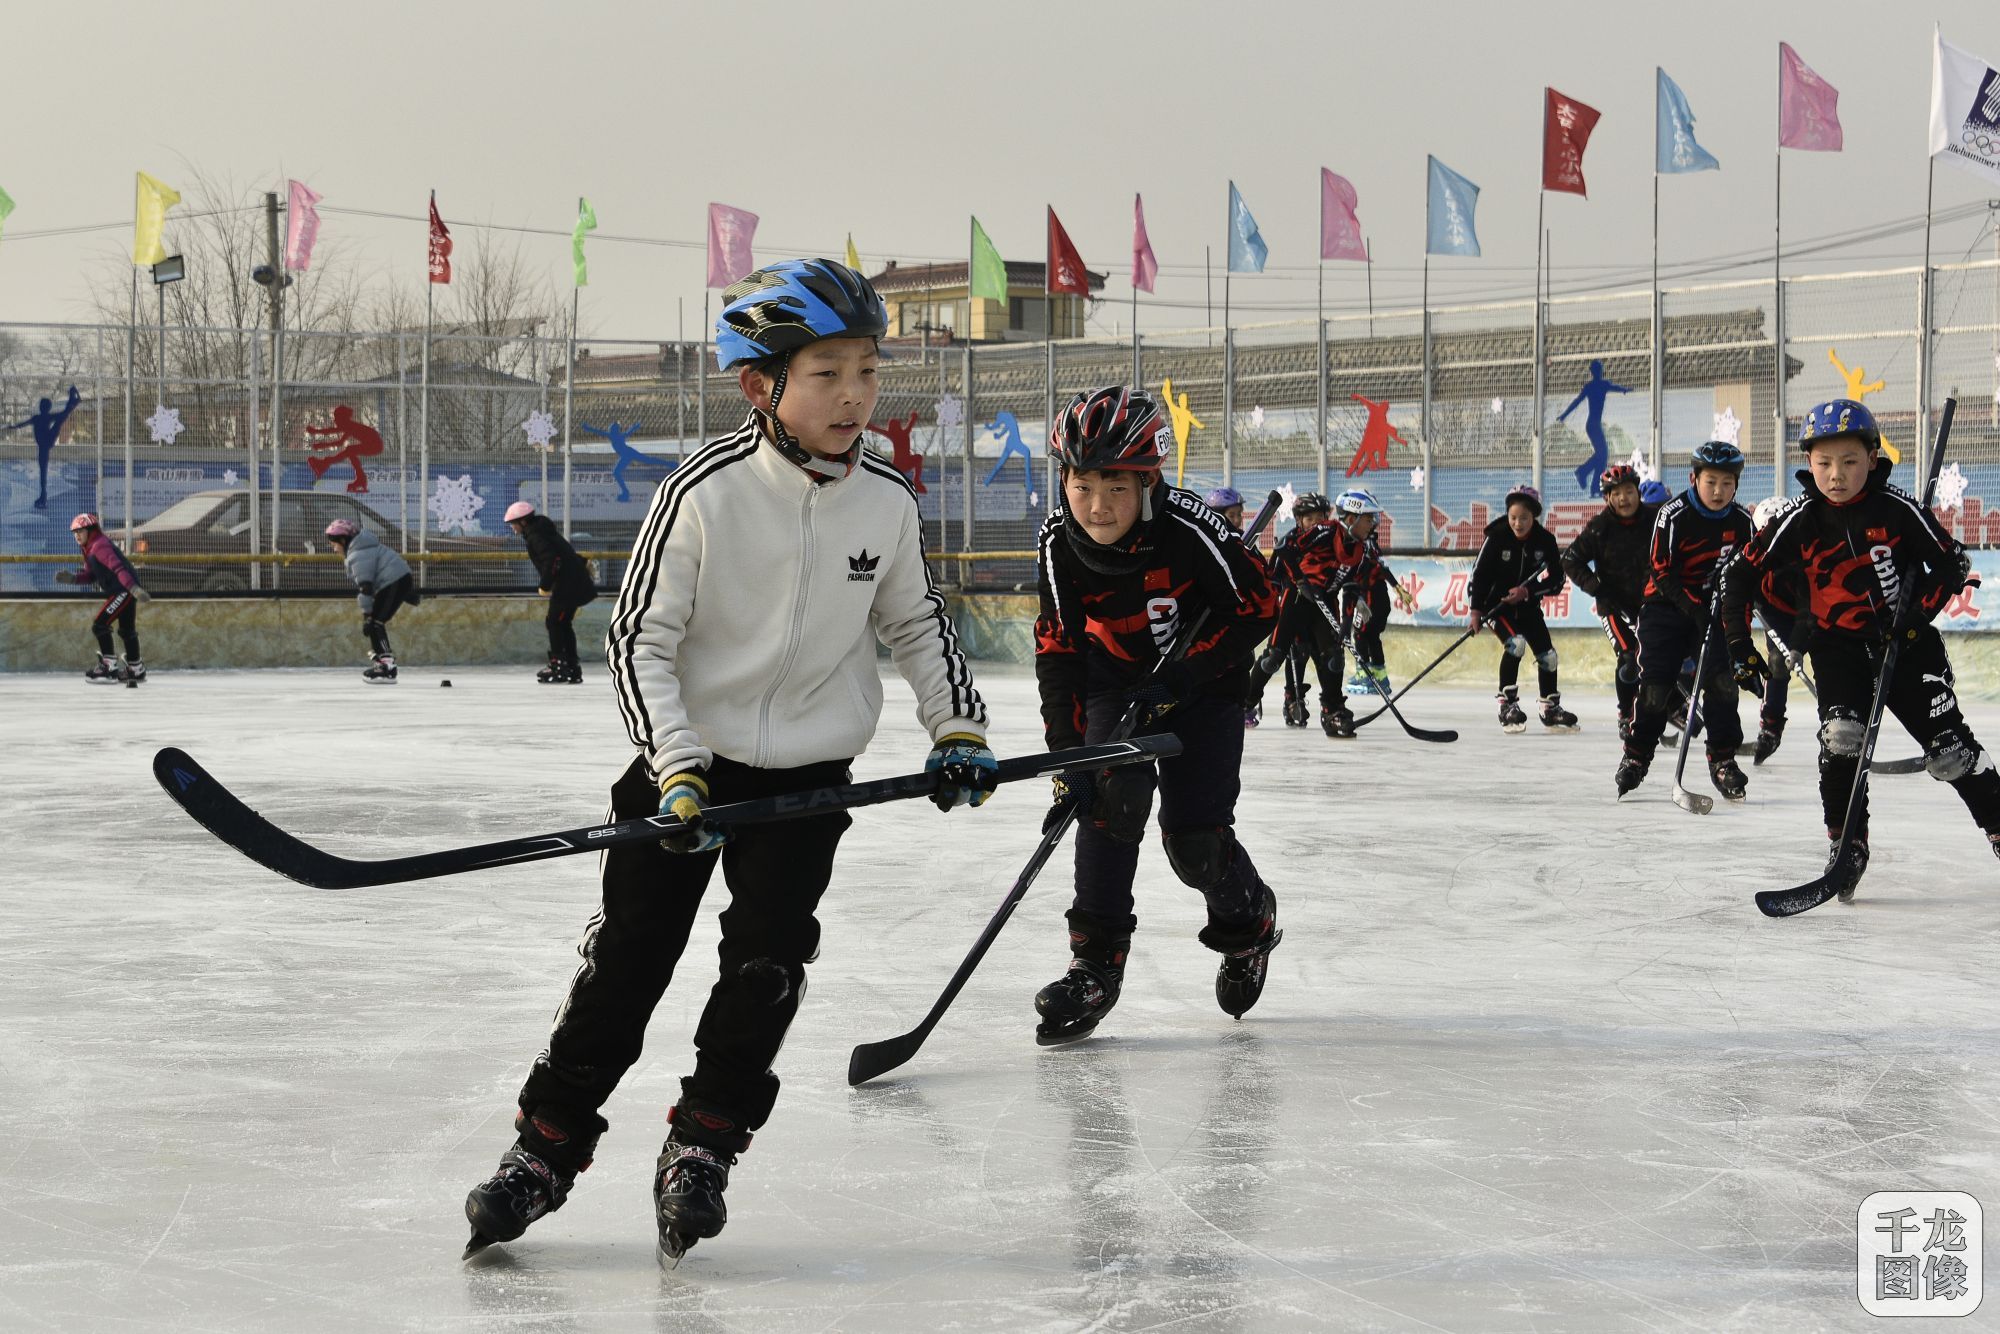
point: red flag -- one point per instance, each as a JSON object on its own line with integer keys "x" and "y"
{"x": 1566, "y": 127}
{"x": 440, "y": 245}
{"x": 1065, "y": 269}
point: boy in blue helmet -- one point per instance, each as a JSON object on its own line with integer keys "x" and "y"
{"x": 743, "y": 649}
{"x": 1858, "y": 541}
{"x": 1694, "y": 536}
{"x": 1228, "y": 502}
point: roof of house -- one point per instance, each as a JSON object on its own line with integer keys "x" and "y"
{"x": 901, "y": 279}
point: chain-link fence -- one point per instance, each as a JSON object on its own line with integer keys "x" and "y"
{"x": 221, "y": 475}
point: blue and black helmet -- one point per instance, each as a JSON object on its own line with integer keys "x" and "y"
{"x": 1653, "y": 493}
{"x": 1222, "y": 498}
{"x": 1840, "y": 417}
{"x": 1719, "y": 454}
{"x": 782, "y": 307}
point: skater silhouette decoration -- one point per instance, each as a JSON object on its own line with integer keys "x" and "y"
{"x": 618, "y": 436}
{"x": 1595, "y": 390}
{"x": 1375, "y": 437}
{"x": 1008, "y": 427}
{"x": 349, "y": 440}
{"x": 905, "y": 460}
{"x": 1184, "y": 421}
{"x": 1858, "y": 388}
{"x": 48, "y": 424}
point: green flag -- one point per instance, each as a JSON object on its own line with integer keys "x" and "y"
{"x": 586, "y": 221}
{"x": 989, "y": 271}
{"x": 6, "y": 207}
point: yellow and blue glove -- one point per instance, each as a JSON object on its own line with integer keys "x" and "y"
{"x": 685, "y": 797}
{"x": 966, "y": 771}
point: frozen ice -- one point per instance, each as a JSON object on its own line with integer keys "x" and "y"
{"x": 1528, "y": 1060}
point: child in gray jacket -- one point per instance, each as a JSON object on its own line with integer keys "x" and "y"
{"x": 383, "y": 578}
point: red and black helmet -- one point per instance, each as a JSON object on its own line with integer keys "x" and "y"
{"x": 1114, "y": 428}
{"x": 1618, "y": 474}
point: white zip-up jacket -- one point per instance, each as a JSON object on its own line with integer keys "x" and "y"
{"x": 747, "y": 621}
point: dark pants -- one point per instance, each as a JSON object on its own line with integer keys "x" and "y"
{"x": 775, "y": 873}
{"x": 1778, "y": 628}
{"x": 561, "y": 625}
{"x": 123, "y": 608}
{"x": 1198, "y": 790}
{"x": 1667, "y": 639}
{"x": 1521, "y": 627}
{"x": 1624, "y": 637}
{"x": 1368, "y": 643}
{"x": 1924, "y": 702}
{"x": 1301, "y": 623}
{"x": 375, "y": 621}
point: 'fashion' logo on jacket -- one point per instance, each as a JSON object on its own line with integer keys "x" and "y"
{"x": 861, "y": 569}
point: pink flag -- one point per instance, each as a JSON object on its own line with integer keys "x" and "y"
{"x": 301, "y": 225}
{"x": 1145, "y": 268}
{"x": 1339, "y": 230}
{"x": 1808, "y": 106}
{"x": 729, "y": 233}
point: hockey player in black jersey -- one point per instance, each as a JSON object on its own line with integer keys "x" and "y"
{"x": 1856, "y": 539}
{"x": 1319, "y": 558}
{"x": 1609, "y": 561}
{"x": 1518, "y": 566}
{"x": 1694, "y": 536}
{"x": 1125, "y": 561}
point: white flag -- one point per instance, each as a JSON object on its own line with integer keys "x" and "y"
{"x": 1965, "y": 110}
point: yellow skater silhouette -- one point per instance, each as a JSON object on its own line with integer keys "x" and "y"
{"x": 1857, "y": 391}
{"x": 1183, "y": 419}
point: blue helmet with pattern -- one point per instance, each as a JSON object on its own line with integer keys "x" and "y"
{"x": 1718, "y": 454}
{"x": 1222, "y": 498}
{"x": 782, "y": 307}
{"x": 1840, "y": 417}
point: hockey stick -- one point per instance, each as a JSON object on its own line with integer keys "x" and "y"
{"x": 872, "y": 1059}
{"x": 1388, "y": 700}
{"x": 1454, "y": 647}
{"x": 1700, "y": 803}
{"x": 1836, "y": 878}
{"x": 223, "y": 814}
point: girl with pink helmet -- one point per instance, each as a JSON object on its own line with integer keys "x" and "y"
{"x": 105, "y": 566}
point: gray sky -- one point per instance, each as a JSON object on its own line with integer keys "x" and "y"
{"x": 895, "y": 120}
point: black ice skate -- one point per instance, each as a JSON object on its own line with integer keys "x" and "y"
{"x": 551, "y": 674}
{"x": 1072, "y": 1006}
{"x": 132, "y": 672}
{"x": 1295, "y": 708}
{"x": 1246, "y": 953}
{"x": 1632, "y": 769}
{"x": 1727, "y": 777}
{"x": 1624, "y": 726}
{"x": 530, "y": 1182}
{"x": 1337, "y": 722}
{"x": 1512, "y": 720}
{"x": 1253, "y": 713}
{"x": 1769, "y": 733}
{"x": 687, "y": 1195}
{"x": 383, "y": 673}
{"x": 1555, "y": 717}
{"x": 105, "y": 673}
{"x": 1845, "y": 873}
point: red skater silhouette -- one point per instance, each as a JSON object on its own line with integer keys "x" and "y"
{"x": 360, "y": 441}
{"x": 1375, "y": 438}
{"x": 906, "y": 460}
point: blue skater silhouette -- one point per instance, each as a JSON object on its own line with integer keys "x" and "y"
{"x": 48, "y": 424}
{"x": 1594, "y": 389}
{"x": 626, "y": 454}
{"x": 1008, "y": 428}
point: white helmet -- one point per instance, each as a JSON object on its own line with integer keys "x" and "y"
{"x": 1766, "y": 507}
{"x": 1356, "y": 501}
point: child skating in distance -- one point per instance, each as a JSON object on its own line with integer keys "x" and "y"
{"x": 1610, "y": 562}
{"x": 1518, "y": 566}
{"x": 1365, "y": 600}
{"x": 105, "y": 566}
{"x": 383, "y": 585}
{"x": 1318, "y": 557}
{"x": 564, "y": 579}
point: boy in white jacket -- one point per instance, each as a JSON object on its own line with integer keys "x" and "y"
{"x": 742, "y": 649}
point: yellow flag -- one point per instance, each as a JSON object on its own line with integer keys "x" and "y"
{"x": 149, "y": 216}
{"x": 853, "y": 255}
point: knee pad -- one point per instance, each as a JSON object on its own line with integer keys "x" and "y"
{"x": 1202, "y": 857}
{"x": 769, "y": 982}
{"x": 1657, "y": 696}
{"x": 1628, "y": 669}
{"x": 1842, "y": 732}
{"x": 1546, "y": 660}
{"x": 1267, "y": 664}
{"x": 1123, "y": 802}
{"x": 371, "y": 627}
{"x": 1950, "y": 757}
{"x": 1517, "y": 646}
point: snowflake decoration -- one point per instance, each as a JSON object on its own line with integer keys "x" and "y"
{"x": 229, "y": 477}
{"x": 165, "y": 424}
{"x": 1727, "y": 427}
{"x": 950, "y": 412}
{"x": 1034, "y": 500}
{"x": 1640, "y": 464}
{"x": 1257, "y": 418}
{"x": 1285, "y": 498}
{"x": 1950, "y": 488}
{"x": 541, "y": 428}
{"x": 1499, "y": 406}
{"x": 1417, "y": 478}
{"x": 455, "y": 505}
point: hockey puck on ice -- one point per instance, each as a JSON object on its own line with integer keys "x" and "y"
{"x": 444, "y": 683}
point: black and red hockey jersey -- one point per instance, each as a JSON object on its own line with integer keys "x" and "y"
{"x": 1108, "y": 613}
{"x": 1506, "y": 562}
{"x": 1691, "y": 545}
{"x": 1611, "y": 559}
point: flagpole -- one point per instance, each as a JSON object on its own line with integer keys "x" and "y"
{"x": 131, "y": 339}
{"x": 1778, "y": 290}
{"x": 1657, "y": 371}
{"x": 424, "y": 411}
{"x": 1368, "y": 247}
{"x": 1541, "y": 361}
{"x": 1424, "y": 408}
{"x": 1228, "y": 357}
{"x": 701, "y": 379}
{"x": 1922, "y": 446}
{"x": 569, "y": 388}
{"x": 1208, "y": 287}
{"x": 1319, "y": 330}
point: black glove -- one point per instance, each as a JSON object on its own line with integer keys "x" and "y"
{"x": 66, "y": 577}
{"x": 1074, "y": 788}
{"x": 1752, "y": 672}
{"x": 1159, "y": 694}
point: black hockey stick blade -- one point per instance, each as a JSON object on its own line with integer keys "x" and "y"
{"x": 1699, "y": 803}
{"x": 1798, "y": 899}
{"x": 1388, "y": 700}
{"x": 223, "y": 814}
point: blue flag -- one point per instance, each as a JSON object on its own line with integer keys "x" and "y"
{"x": 1449, "y": 214}
{"x": 1674, "y": 148}
{"x": 1246, "y": 245}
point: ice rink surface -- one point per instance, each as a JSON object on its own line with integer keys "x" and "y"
{"x": 1528, "y": 1059}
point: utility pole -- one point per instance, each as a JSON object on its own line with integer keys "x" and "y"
{"x": 271, "y": 276}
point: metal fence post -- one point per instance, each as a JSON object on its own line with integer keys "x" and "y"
{"x": 1324, "y": 370}
{"x": 1049, "y": 422}
{"x": 1228, "y": 404}
{"x": 1657, "y": 372}
{"x": 254, "y": 481}
{"x": 1778, "y": 479}
{"x": 1424, "y": 429}
{"x": 403, "y": 439}
{"x": 970, "y": 428}
{"x": 131, "y": 352}
{"x": 97, "y": 410}
{"x": 1536, "y": 439}
{"x": 1923, "y": 440}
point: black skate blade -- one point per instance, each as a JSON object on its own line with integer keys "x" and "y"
{"x": 673, "y": 1247}
{"x": 1062, "y": 1037}
{"x": 480, "y": 1241}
